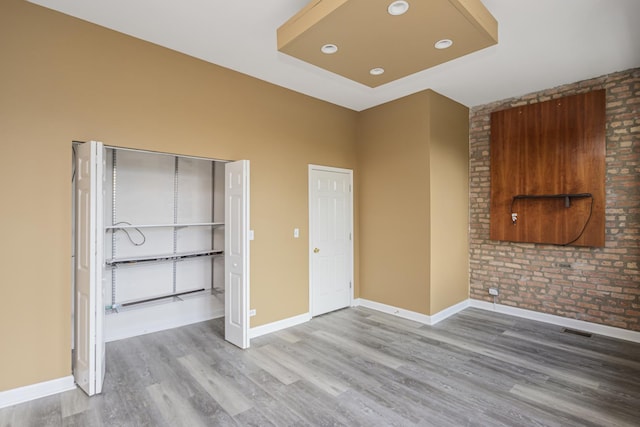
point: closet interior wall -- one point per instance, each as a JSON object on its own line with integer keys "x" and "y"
{"x": 164, "y": 231}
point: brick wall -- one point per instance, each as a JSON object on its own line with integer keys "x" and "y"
{"x": 603, "y": 284}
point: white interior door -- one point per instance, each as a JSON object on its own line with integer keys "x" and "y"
{"x": 236, "y": 264}
{"x": 89, "y": 366}
{"x": 330, "y": 239}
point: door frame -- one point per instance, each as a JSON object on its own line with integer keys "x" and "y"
{"x": 350, "y": 251}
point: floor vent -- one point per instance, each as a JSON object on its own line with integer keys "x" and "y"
{"x": 574, "y": 332}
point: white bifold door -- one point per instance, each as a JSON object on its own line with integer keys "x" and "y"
{"x": 88, "y": 356}
{"x": 236, "y": 261}
{"x": 89, "y": 344}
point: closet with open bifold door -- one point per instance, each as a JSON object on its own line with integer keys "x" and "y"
{"x": 160, "y": 239}
{"x": 164, "y": 241}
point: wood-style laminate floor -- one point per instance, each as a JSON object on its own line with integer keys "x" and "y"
{"x": 358, "y": 367}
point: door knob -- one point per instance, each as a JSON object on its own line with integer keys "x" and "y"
{"x": 316, "y": 250}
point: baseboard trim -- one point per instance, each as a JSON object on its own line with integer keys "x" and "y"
{"x": 279, "y": 325}
{"x": 412, "y": 315}
{"x": 594, "y": 328}
{"x": 449, "y": 311}
{"x": 36, "y": 391}
{"x": 395, "y": 311}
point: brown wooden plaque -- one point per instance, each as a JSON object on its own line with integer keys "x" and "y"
{"x": 548, "y": 168}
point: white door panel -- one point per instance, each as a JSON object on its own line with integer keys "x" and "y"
{"x": 235, "y": 309}
{"x": 89, "y": 345}
{"x": 236, "y": 269}
{"x": 330, "y": 225}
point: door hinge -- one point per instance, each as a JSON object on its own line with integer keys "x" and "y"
{"x": 350, "y": 188}
{"x": 349, "y": 285}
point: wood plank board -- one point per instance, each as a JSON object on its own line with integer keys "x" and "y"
{"x": 549, "y": 148}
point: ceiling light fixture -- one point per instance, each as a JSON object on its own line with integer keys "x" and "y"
{"x": 443, "y": 44}
{"x": 376, "y": 71}
{"x": 398, "y": 8}
{"x": 329, "y": 49}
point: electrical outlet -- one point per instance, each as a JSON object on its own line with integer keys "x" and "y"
{"x": 493, "y": 291}
{"x": 252, "y": 312}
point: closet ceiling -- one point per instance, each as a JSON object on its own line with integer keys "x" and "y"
{"x": 542, "y": 44}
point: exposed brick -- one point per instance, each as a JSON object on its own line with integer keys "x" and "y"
{"x": 603, "y": 284}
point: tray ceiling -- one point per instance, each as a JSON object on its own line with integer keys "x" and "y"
{"x": 372, "y": 45}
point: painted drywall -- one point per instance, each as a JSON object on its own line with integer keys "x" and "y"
{"x": 449, "y": 191}
{"x": 413, "y": 199}
{"x": 63, "y": 79}
{"x": 394, "y": 200}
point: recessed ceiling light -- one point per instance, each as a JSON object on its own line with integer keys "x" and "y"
{"x": 443, "y": 44}
{"x": 398, "y": 8}
{"x": 376, "y": 71}
{"x": 329, "y": 49}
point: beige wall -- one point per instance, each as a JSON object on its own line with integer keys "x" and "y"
{"x": 449, "y": 167}
{"x": 63, "y": 79}
{"x": 393, "y": 165}
{"x": 413, "y": 199}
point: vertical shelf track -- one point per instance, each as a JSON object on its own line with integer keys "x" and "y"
{"x": 213, "y": 231}
{"x": 114, "y": 180}
{"x": 176, "y": 173}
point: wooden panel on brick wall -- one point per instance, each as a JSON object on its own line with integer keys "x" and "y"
{"x": 548, "y": 171}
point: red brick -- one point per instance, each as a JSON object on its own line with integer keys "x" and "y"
{"x": 604, "y": 281}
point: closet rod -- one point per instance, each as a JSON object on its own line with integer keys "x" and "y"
{"x": 177, "y": 294}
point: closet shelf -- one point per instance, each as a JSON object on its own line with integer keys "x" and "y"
{"x": 194, "y": 224}
{"x": 169, "y": 257}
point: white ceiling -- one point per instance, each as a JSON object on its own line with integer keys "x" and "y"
{"x": 543, "y": 43}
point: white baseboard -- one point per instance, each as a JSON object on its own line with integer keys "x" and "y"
{"x": 400, "y": 312}
{"x": 279, "y": 325}
{"x": 449, "y": 311}
{"x": 145, "y": 320}
{"x": 594, "y": 328}
{"x": 395, "y": 311}
{"x": 36, "y": 391}
{"x": 412, "y": 315}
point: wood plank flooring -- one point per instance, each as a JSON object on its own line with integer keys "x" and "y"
{"x": 358, "y": 367}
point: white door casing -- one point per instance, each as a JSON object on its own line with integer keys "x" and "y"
{"x": 236, "y": 263}
{"x": 330, "y": 239}
{"x": 89, "y": 367}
